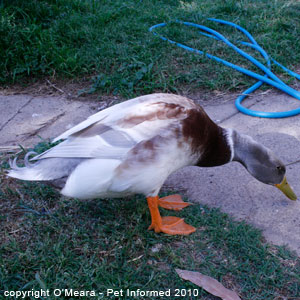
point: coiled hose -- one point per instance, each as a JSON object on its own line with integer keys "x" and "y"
{"x": 269, "y": 77}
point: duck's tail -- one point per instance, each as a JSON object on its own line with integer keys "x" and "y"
{"x": 43, "y": 170}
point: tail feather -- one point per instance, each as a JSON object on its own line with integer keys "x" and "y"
{"x": 13, "y": 164}
{"x": 27, "y": 174}
{"x": 43, "y": 170}
{"x": 26, "y": 158}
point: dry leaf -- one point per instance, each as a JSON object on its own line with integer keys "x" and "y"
{"x": 209, "y": 284}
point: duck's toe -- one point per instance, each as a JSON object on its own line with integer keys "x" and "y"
{"x": 173, "y": 226}
{"x": 173, "y": 202}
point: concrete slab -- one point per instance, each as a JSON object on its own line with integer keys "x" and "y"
{"x": 24, "y": 118}
{"x": 10, "y": 106}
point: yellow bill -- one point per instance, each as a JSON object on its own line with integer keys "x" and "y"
{"x": 286, "y": 189}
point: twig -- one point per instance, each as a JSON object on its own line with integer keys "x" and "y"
{"x": 20, "y": 194}
{"x": 134, "y": 259}
{"x": 9, "y": 148}
{"x": 292, "y": 163}
{"x": 58, "y": 89}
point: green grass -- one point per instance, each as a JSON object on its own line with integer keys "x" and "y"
{"x": 50, "y": 242}
{"x": 108, "y": 42}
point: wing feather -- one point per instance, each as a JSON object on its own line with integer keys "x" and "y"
{"x": 90, "y": 147}
{"x": 134, "y": 111}
{"x": 111, "y": 133}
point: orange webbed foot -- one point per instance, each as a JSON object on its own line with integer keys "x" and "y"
{"x": 173, "y": 226}
{"x": 173, "y": 202}
{"x": 170, "y": 225}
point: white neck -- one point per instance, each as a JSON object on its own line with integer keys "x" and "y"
{"x": 230, "y": 141}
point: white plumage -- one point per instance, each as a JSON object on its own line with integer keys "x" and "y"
{"x": 113, "y": 146}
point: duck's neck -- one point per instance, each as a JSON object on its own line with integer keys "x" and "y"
{"x": 219, "y": 148}
{"x": 247, "y": 150}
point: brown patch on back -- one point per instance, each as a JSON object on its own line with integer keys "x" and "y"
{"x": 205, "y": 138}
{"x": 164, "y": 111}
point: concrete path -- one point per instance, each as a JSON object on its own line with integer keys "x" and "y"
{"x": 23, "y": 119}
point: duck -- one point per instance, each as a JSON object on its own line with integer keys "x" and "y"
{"x": 133, "y": 147}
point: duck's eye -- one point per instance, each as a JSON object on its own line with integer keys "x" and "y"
{"x": 281, "y": 169}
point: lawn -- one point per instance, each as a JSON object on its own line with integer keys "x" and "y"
{"x": 107, "y": 43}
{"x": 52, "y": 243}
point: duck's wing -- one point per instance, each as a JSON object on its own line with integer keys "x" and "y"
{"x": 134, "y": 111}
{"x": 110, "y": 144}
{"x": 111, "y": 133}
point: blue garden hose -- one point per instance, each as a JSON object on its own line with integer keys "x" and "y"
{"x": 269, "y": 77}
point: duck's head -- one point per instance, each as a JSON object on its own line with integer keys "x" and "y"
{"x": 260, "y": 162}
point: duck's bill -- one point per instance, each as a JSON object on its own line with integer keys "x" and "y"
{"x": 286, "y": 189}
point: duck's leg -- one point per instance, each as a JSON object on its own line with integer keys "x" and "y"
{"x": 169, "y": 225}
{"x": 173, "y": 202}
